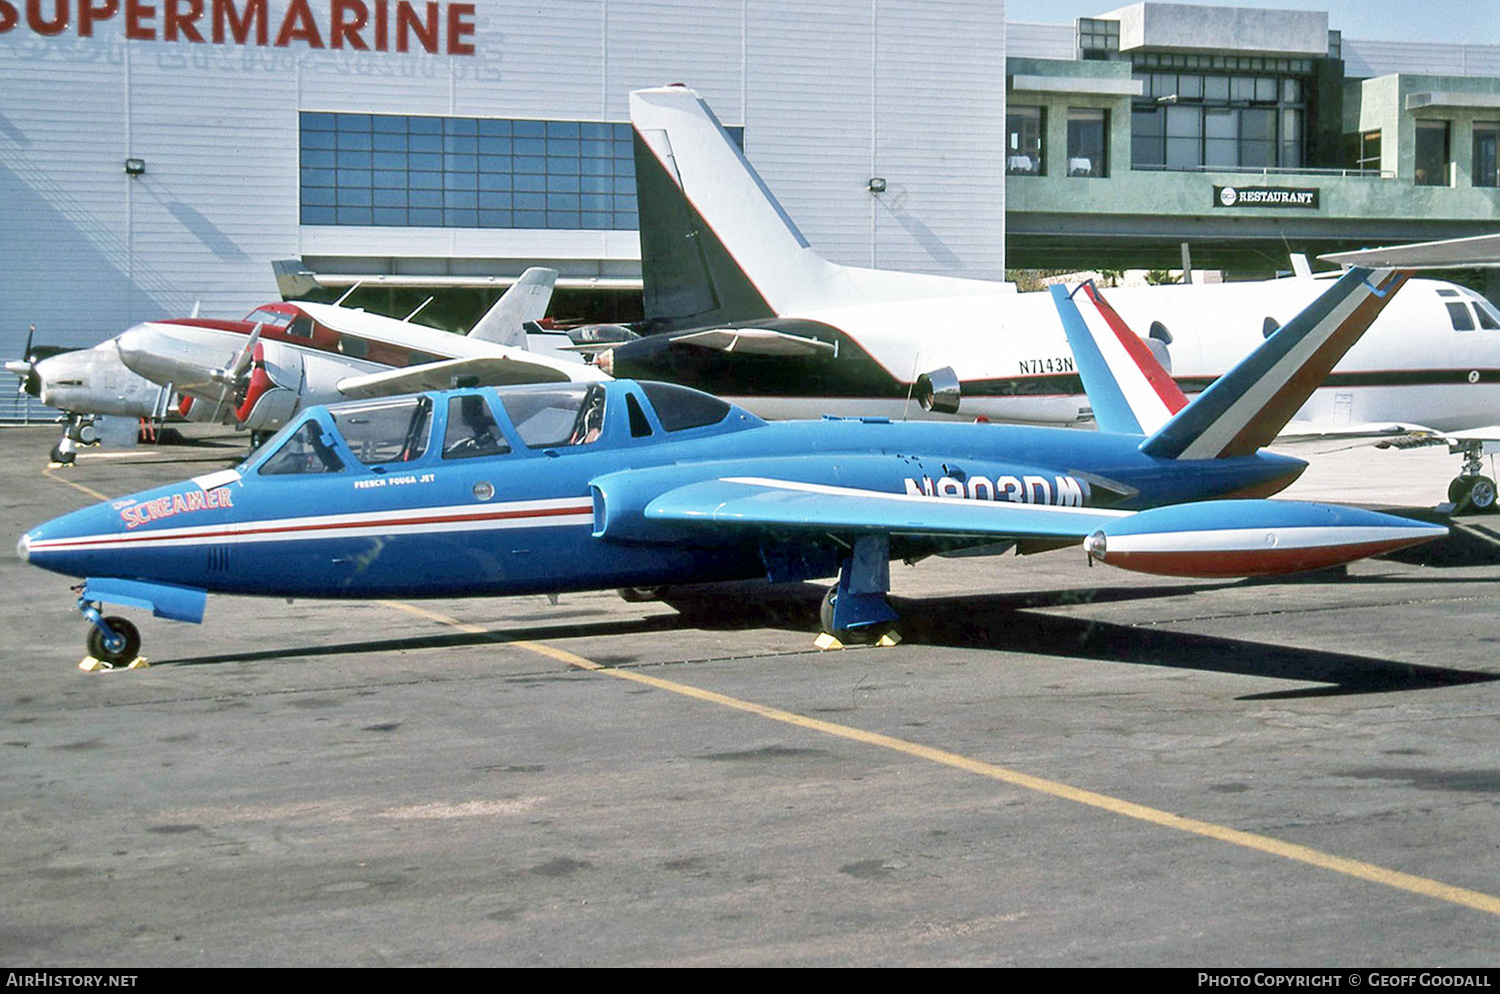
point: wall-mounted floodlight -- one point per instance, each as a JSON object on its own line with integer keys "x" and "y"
{"x": 876, "y": 185}
{"x": 135, "y": 167}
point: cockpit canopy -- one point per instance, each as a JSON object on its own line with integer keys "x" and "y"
{"x": 464, "y": 424}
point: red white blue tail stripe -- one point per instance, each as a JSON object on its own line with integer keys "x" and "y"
{"x": 1128, "y": 389}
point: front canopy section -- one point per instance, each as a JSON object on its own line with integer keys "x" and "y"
{"x": 492, "y": 421}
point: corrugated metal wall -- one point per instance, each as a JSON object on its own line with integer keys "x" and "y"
{"x": 830, "y": 92}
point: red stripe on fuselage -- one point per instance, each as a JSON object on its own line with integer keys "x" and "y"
{"x": 57, "y": 545}
{"x": 331, "y": 341}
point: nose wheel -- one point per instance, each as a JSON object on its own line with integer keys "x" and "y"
{"x": 118, "y": 648}
{"x": 112, "y": 641}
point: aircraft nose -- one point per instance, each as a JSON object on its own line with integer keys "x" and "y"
{"x": 23, "y": 547}
{"x": 31, "y": 382}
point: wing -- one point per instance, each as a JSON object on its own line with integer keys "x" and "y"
{"x": 783, "y": 506}
{"x": 756, "y": 341}
{"x": 496, "y": 370}
{"x": 1358, "y": 429}
{"x": 1208, "y": 538}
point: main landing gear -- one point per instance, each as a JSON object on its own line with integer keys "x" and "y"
{"x": 855, "y": 610}
{"x": 1471, "y": 490}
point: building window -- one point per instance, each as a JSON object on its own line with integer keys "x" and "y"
{"x": 1088, "y": 138}
{"x": 1362, "y": 151}
{"x": 456, "y": 172}
{"x": 1432, "y": 153}
{"x": 1025, "y": 128}
{"x": 1486, "y": 153}
{"x": 1097, "y": 37}
{"x": 1184, "y": 136}
{"x": 1211, "y": 120}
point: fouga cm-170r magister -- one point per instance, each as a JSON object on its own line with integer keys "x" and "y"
{"x": 556, "y": 487}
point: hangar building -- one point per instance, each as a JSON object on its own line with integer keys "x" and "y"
{"x": 157, "y": 155}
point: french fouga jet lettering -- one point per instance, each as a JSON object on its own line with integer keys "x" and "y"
{"x": 1065, "y": 491}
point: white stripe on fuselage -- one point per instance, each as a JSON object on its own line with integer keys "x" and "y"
{"x": 404, "y": 521}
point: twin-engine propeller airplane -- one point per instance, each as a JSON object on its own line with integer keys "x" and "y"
{"x": 258, "y": 371}
{"x": 557, "y": 487}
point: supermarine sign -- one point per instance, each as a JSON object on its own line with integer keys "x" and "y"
{"x": 1266, "y": 196}
{"x": 362, "y": 25}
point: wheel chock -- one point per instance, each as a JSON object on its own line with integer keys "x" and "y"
{"x": 91, "y": 665}
{"x": 825, "y": 641}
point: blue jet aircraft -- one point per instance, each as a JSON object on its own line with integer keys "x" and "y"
{"x": 579, "y": 486}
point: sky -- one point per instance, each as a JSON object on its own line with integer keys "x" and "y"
{"x": 1471, "y": 21}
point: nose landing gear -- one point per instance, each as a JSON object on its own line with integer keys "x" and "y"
{"x": 112, "y": 642}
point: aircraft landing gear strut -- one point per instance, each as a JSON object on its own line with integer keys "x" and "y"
{"x": 1471, "y": 490}
{"x": 78, "y": 431}
{"x": 112, "y": 641}
{"x": 855, "y": 609}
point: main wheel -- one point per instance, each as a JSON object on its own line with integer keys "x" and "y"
{"x": 862, "y": 635}
{"x": 825, "y": 610}
{"x": 130, "y": 640}
{"x": 1482, "y": 494}
{"x": 640, "y": 595}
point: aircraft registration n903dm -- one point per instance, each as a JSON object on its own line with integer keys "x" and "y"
{"x": 556, "y": 487}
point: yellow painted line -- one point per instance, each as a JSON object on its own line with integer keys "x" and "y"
{"x": 1261, "y": 843}
{"x": 76, "y": 486}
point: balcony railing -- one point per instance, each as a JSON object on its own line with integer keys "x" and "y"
{"x": 17, "y": 408}
{"x": 1270, "y": 170}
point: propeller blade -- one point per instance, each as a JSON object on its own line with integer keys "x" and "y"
{"x": 247, "y": 354}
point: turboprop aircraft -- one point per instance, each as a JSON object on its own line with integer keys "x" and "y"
{"x": 555, "y": 487}
{"x": 739, "y": 304}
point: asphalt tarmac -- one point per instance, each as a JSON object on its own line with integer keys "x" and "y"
{"x": 1057, "y": 766}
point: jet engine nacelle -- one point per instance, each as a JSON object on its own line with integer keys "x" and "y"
{"x": 272, "y": 388}
{"x": 1233, "y": 538}
{"x": 939, "y": 391}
